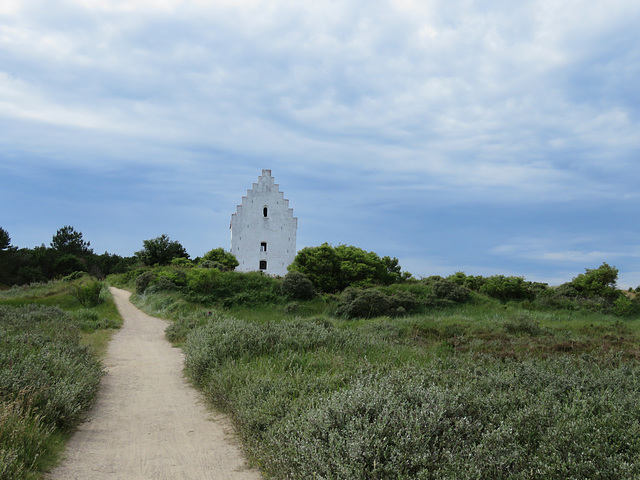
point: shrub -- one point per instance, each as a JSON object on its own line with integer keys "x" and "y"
{"x": 178, "y": 330}
{"x": 445, "y": 291}
{"x": 292, "y": 308}
{"x": 168, "y": 279}
{"x": 403, "y": 302}
{"x": 74, "y": 276}
{"x": 181, "y": 262}
{"x": 598, "y": 282}
{"x": 471, "y": 282}
{"x": 297, "y": 286}
{"x": 332, "y": 269}
{"x": 358, "y": 303}
{"x": 232, "y": 288}
{"x": 625, "y": 307}
{"x": 221, "y": 258}
{"x": 162, "y": 283}
{"x": 87, "y": 293}
{"x": 211, "y": 264}
{"x": 506, "y": 288}
{"x": 144, "y": 280}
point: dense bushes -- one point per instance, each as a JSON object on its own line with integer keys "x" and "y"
{"x": 311, "y": 404}
{"x": 507, "y": 420}
{"x": 297, "y": 286}
{"x": 332, "y": 269}
{"x": 360, "y": 303}
{"x": 47, "y": 381}
{"x": 362, "y": 299}
{"x": 219, "y": 258}
{"x": 410, "y": 297}
{"x": 232, "y": 288}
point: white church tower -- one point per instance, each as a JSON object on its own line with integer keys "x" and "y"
{"x": 263, "y": 229}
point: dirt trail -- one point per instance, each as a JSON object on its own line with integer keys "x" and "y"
{"x": 148, "y": 423}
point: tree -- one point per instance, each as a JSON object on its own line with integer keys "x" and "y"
{"x": 5, "y": 239}
{"x": 161, "y": 251}
{"x": 7, "y": 259}
{"x": 320, "y": 264}
{"x": 332, "y": 269}
{"x": 597, "y": 282}
{"x": 220, "y": 256}
{"x": 68, "y": 241}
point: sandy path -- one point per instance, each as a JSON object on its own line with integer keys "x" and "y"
{"x": 148, "y": 423}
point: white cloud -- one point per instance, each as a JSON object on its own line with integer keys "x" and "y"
{"x": 474, "y": 99}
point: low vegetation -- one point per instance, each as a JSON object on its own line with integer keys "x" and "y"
{"x": 50, "y": 344}
{"x": 438, "y": 378}
{"x": 346, "y": 368}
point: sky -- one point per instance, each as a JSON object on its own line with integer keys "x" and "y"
{"x": 489, "y": 136}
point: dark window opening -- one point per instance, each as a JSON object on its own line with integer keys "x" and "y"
{"x": 264, "y": 211}
{"x": 263, "y": 247}
{"x": 263, "y": 264}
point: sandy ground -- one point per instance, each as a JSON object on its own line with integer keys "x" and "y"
{"x": 148, "y": 423}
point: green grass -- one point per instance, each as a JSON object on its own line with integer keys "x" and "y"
{"x": 480, "y": 390}
{"x": 97, "y": 324}
{"x": 49, "y": 371}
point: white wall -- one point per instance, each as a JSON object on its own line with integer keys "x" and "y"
{"x": 250, "y": 228}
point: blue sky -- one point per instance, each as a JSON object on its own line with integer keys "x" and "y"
{"x": 489, "y": 136}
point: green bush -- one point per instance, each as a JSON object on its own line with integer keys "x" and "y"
{"x": 444, "y": 292}
{"x": 181, "y": 262}
{"x": 211, "y": 264}
{"x": 403, "y": 302}
{"x": 506, "y": 288}
{"x": 368, "y": 303}
{"x": 219, "y": 257}
{"x": 87, "y": 293}
{"x": 297, "y": 286}
{"x": 332, "y": 269}
{"x": 74, "y": 276}
{"x": 625, "y": 307}
{"x": 471, "y": 282}
{"x": 230, "y": 288}
{"x": 143, "y": 280}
